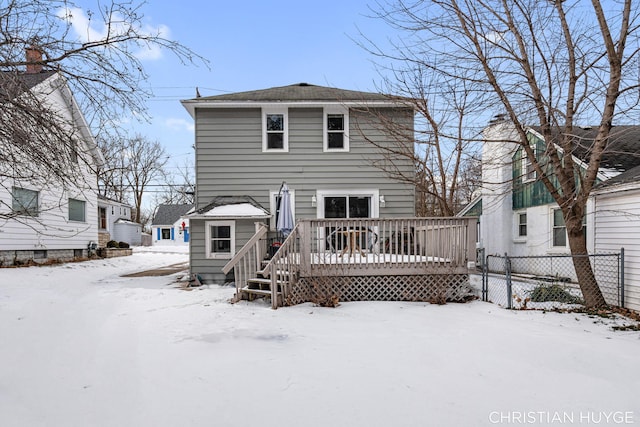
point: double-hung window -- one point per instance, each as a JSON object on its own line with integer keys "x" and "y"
{"x": 522, "y": 225}
{"x": 220, "y": 239}
{"x": 559, "y": 229}
{"x": 336, "y": 125}
{"x": 24, "y": 202}
{"x": 275, "y": 134}
{"x": 77, "y": 210}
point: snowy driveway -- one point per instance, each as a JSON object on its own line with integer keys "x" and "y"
{"x": 82, "y": 346}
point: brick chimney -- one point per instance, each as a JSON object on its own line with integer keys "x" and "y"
{"x": 34, "y": 60}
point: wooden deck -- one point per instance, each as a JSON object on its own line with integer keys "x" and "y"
{"x": 391, "y": 258}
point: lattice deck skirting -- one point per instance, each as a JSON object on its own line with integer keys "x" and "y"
{"x": 435, "y": 288}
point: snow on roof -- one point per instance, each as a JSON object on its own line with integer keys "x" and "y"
{"x": 235, "y": 210}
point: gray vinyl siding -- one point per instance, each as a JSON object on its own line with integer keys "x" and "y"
{"x": 211, "y": 269}
{"x": 230, "y": 162}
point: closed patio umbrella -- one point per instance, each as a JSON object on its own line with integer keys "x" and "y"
{"x": 285, "y": 223}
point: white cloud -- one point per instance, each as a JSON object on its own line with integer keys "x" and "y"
{"x": 89, "y": 30}
{"x": 179, "y": 124}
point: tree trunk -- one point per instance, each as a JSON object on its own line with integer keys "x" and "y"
{"x": 591, "y": 292}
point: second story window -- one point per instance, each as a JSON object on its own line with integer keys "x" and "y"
{"x": 275, "y": 135}
{"x": 336, "y": 123}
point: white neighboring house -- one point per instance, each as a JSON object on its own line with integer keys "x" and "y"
{"x": 519, "y": 217}
{"x": 115, "y": 223}
{"x": 170, "y": 225}
{"x": 616, "y": 224}
{"x": 51, "y": 223}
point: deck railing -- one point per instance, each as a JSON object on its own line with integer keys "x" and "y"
{"x": 283, "y": 267}
{"x": 371, "y": 246}
{"x": 359, "y": 247}
{"x": 247, "y": 261}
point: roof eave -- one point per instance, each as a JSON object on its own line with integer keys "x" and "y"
{"x": 191, "y": 104}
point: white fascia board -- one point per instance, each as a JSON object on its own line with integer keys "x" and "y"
{"x": 191, "y": 105}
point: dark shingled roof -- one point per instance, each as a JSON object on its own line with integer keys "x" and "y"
{"x": 297, "y": 92}
{"x": 632, "y": 175}
{"x": 13, "y": 84}
{"x": 169, "y": 214}
{"x": 623, "y": 150}
{"x": 228, "y": 200}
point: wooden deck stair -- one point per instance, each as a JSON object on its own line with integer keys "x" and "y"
{"x": 260, "y": 286}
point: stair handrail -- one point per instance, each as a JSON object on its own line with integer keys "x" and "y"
{"x": 281, "y": 268}
{"x": 260, "y": 233}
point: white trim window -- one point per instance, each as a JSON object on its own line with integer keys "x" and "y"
{"x": 521, "y": 225}
{"x": 335, "y": 129}
{"x": 275, "y": 130}
{"x": 77, "y": 210}
{"x": 24, "y": 201}
{"x": 558, "y": 229}
{"x": 350, "y": 203}
{"x": 220, "y": 239}
{"x": 274, "y": 206}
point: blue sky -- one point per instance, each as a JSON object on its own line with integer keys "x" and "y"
{"x": 251, "y": 45}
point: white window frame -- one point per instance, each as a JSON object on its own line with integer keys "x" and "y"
{"x": 373, "y": 193}
{"x": 232, "y": 234}
{"x": 162, "y": 233}
{"x": 552, "y": 227}
{"x": 285, "y": 137}
{"x": 84, "y": 210}
{"x": 516, "y": 221}
{"x": 273, "y": 196}
{"x": 325, "y": 131}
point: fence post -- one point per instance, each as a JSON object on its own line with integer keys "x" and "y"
{"x": 485, "y": 271}
{"x": 507, "y": 265}
{"x": 621, "y": 274}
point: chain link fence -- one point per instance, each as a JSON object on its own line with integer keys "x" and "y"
{"x": 548, "y": 282}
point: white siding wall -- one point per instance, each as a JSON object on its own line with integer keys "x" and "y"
{"x": 617, "y": 225}
{"x": 497, "y": 215}
{"x": 52, "y": 229}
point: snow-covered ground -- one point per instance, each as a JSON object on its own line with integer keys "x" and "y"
{"x": 82, "y": 346}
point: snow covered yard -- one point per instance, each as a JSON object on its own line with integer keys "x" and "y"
{"x": 82, "y": 346}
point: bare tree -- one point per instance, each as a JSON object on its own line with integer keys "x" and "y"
{"x": 442, "y": 142}
{"x": 145, "y": 160}
{"x": 553, "y": 64}
{"x": 178, "y": 187}
{"x": 112, "y": 172}
{"x": 96, "y": 55}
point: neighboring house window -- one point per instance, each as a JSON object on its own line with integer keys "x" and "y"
{"x": 528, "y": 171}
{"x": 275, "y": 130}
{"x": 102, "y": 213}
{"x": 274, "y": 204}
{"x": 522, "y": 225}
{"x": 165, "y": 234}
{"x": 220, "y": 238}
{"x": 559, "y": 229}
{"x": 77, "y": 210}
{"x": 24, "y": 202}
{"x": 336, "y": 123}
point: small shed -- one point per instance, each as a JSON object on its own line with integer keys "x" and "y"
{"x": 170, "y": 226}
{"x": 127, "y": 231}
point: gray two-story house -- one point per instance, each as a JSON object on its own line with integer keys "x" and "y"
{"x": 314, "y": 138}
